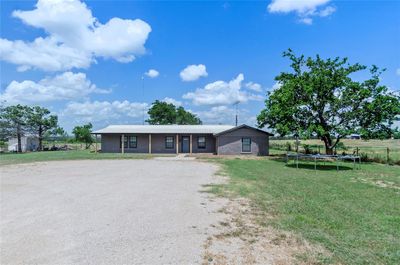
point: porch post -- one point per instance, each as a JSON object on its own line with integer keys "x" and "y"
{"x": 177, "y": 144}
{"x": 149, "y": 143}
{"x": 216, "y": 145}
{"x": 123, "y": 143}
{"x": 95, "y": 143}
{"x": 190, "y": 144}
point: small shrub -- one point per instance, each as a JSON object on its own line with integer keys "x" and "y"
{"x": 307, "y": 149}
{"x": 288, "y": 146}
{"x": 341, "y": 146}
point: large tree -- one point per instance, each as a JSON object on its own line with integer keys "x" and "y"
{"x": 321, "y": 97}
{"x": 162, "y": 113}
{"x": 41, "y": 122}
{"x": 15, "y": 120}
{"x": 186, "y": 117}
{"x": 167, "y": 113}
{"x": 84, "y": 134}
{"x": 4, "y": 128}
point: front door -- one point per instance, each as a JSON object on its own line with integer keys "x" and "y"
{"x": 185, "y": 144}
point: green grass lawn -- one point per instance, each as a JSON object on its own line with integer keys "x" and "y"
{"x": 354, "y": 214}
{"x": 13, "y": 158}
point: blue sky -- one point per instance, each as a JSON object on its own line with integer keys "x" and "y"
{"x": 85, "y": 60}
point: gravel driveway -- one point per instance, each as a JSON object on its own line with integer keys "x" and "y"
{"x": 106, "y": 212}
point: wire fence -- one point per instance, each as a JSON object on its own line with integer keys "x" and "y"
{"x": 67, "y": 146}
{"x": 368, "y": 153}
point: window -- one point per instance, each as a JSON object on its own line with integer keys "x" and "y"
{"x": 169, "y": 142}
{"x": 201, "y": 142}
{"x": 246, "y": 145}
{"x": 132, "y": 142}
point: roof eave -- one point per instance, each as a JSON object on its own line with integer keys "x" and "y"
{"x": 242, "y": 126}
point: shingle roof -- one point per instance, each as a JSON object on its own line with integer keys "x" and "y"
{"x": 206, "y": 129}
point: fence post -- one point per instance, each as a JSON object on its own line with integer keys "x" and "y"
{"x": 387, "y": 155}
{"x": 357, "y": 151}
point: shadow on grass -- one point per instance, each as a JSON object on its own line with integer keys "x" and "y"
{"x": 321, "y": 167}
{"x": 218, "y": 190}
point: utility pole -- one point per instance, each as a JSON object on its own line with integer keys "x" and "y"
{"x": 236, "y": 111}
{"x": 143, "y": 100}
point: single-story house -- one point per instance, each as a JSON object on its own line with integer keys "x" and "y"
{"x": 217, "y": 139}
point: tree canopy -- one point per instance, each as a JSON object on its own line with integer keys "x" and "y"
{"x": 83, "y": 134}
{"x": 320, "y": 97}
{"x": 41, "y": 122}
{"x": 15, "y": 120}
{"x": 167, "y": 113}
{"x": 18, "y": 120}
{"x": 186, "y": 117}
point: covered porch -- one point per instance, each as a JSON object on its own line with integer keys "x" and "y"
{"x": 157, "y": 143}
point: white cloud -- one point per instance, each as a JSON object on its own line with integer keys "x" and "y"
{"x": 75, "y": 38}
{"x": 45, "y": 54}
{"x": 177, "y": 103}
{"x": 105, "y": 111}
{"x": 286, "y": 6}
{"x": 255, "y": 97}
{"x": 193, "y": 72}
{"x": 66, "y": 86}
{"x": 221, "y": 93}
{"x": 306, "y": 20}
{"x": 276, "y": 86}
{"x": 305, "y": 10}
{"x": 398, "y": 71}
{"x": 152, "y": 73}
{"x": 254, "y": 86}
{"x": 225, "y": 115}
{"x": 217, "y": 115}
{"x": 327, "y": 11}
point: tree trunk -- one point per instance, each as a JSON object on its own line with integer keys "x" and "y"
{"x": 40, "y": 134}
{"x": 19, "y": 148}
{"x": 328, "y": 144}
{"x": 328, "y": 150}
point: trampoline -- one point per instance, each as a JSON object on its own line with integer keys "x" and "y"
{"x": 318, "y": 157}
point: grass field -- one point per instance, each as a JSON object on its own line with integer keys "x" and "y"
{"x": 13, "y": 158}
{"x": 354, "y": 214}
{"x": 370, "y": 150}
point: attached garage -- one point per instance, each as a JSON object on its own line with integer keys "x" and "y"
{"x": 243, "y": 139}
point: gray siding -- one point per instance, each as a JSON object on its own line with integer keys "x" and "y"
{"x": 231, "y": 143}
{"x": 228, "y": 144}
{"x": 158, "y": 144}
{"x": 210, "y": 144}
{"x": 110, "y": 143}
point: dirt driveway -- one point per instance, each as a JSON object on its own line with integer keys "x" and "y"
{"x": 106, "y": 212}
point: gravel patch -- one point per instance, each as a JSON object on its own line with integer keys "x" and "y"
{"x": 107, "y": 212}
